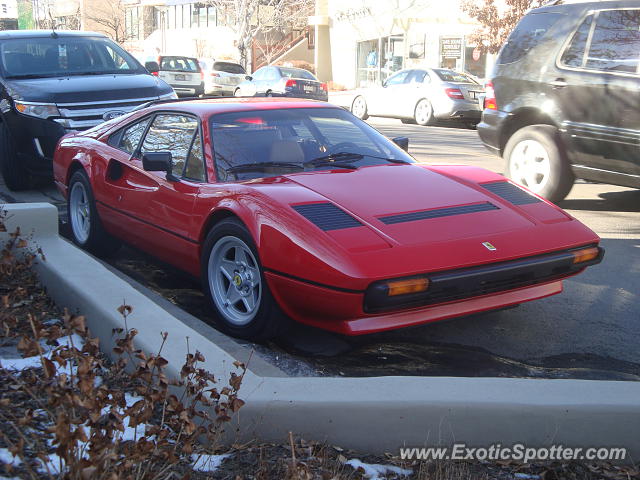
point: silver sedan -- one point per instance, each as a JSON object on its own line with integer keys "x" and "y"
{"x": 422, "y": 96}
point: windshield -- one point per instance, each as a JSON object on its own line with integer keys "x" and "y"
{"x": 267, "y": 143}
{"x": 296, "y": 73}
{"x": 228, "y": 67}
{"x": 61, "y": 56}
{"x": 179, "y": 64}
{"x": 451, "y": 76}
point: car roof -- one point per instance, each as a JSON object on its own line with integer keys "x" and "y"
{"x": 47, "y": 33}
{"x": 581, "y": 5}
{"x": 211, "y": 106}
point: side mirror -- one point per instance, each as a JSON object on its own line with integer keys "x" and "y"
{"x": 153, "y": 67}
{"x": 159, "y": 162}
{"x": 248, "y": 77}
{"x": 402, "y": 142}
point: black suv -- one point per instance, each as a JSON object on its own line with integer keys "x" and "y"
{"x": 564, "y": 98}
{"x": 52, "y": 83}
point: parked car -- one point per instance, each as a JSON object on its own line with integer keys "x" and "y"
{"x": 56, "y": 82}
{"x": 183, "y": 74}
{"x": 564, "y": 98}
{"x": 422, "y": 96}
{"x": 222, "y": 78}
{"x": 276, "y": 205}
{"x": 272, "y": 81}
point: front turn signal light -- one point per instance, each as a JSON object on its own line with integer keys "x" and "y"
{"x": 403, "y": 287}
{"x": 585, "y": 254}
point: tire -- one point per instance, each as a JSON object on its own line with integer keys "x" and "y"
{"x": 235, "y": 287}
{"x": 359, "y": 107}
{"x": 408, "y": 121}
{"x": 86, "y": 228}
{"x": 237, "y": 93}
{"x": 423, "y": 113}
{"x": 537, "y": 160}
{"x": 268, "y": 94}
{"x": 14, "y": 173}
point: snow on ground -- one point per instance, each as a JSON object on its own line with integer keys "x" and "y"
{"x": 208, "y": 463}
{"x": 374, "y": 471}
{"x": 34, "y": 362}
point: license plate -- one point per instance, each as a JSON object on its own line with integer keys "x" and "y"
{"x": 308, "y": 89}
{"x": 181, "y": 77}
{"x": 473, "y": 94}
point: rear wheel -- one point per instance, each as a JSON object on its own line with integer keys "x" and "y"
{"x": 237, "y": 93}
{"x": 86, "y": 228}
{"x": 14, "y": 173}
{"x": 536, "y": 159}
{"x": 233, "y": 282}
{"x": 359, "y": 108}
{"x": 423, "y": 114}
{"x": 269, "y": 94}
{"x": 408, "y": 121}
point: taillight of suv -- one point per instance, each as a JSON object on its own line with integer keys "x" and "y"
{"x": 490, "y": 97}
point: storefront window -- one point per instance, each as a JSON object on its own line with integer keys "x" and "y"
{"x": 378, "y": 59}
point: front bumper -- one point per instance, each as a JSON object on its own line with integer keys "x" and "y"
{"x": 188, "y": 89}
{"x": 456, "y": 293}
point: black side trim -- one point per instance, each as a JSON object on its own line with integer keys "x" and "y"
{"x": 326, "y": 216}
{"x": 311, "y": 282}
{"x": 147, "y": 223}
{"x": 510, "y": 192}
{"x": 437, "y": 213}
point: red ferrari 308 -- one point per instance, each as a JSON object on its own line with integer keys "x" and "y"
{"x": 292, "y": 208}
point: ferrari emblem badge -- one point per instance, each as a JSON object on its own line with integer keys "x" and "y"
{"x": 488, "y": 246}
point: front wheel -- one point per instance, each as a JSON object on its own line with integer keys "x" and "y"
{"x": 86, "y": 228}
{"x": 237, "y": 93}
{"x": 423, "y": 114}
{"x": 233, "y": 282}
{"x": 15, "y": 175}
{"x": 537, "y": 160}
{"x": 359, "y": 108}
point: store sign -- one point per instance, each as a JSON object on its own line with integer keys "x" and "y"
{"x": 352, "y": 14}
{"x": 451, "y": 47}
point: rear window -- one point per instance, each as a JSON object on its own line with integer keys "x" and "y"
{"x": 179, "y": 64}
{"x": 451, "y": 76}
{"x": 296, "y": 73}
{"x": 228, "y": 67}
{"x": 527, "y": 34}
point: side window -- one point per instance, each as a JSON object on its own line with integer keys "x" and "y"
{"x": 616, "y": 41}
{"x": 420, "y": 76}
{"x": 398, "y": 78}
{"x": 195, "y": 160}
{"x": 130, "y": 138}
{"x": 527, "y": 34}
{"x": 171, "y": 133}
{"x": 258, "y": 74}
{"x": 573, "y": 56}
{"x": 272, "y": 74}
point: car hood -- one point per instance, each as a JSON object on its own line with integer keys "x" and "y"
{"x": 393, "y": 199}
{"x": 88, "y": 88}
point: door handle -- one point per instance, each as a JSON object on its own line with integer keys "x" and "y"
{"x": 558, "y": 83}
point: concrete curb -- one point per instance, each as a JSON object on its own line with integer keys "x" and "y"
{"x": 371, "y": 414}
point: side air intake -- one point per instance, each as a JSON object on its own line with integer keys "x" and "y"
{"x": 326, "y": 216}
{"x": 511, "y": 193}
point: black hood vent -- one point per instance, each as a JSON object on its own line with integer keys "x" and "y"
{"x": 326, "y": 216}
{"x": 511, "y": 193}
{"x": 437, "y": 213}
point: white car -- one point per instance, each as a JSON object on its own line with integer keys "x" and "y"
{"x": 222, "y": 78}
{"x": 183, "y": 74}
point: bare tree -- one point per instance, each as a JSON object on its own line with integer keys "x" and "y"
{"x": 107, "y": 17}
{"x": 497, "y": 18}
{"x": 248, "y": 18}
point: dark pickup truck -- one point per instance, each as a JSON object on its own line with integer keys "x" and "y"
{"x": 54, "y": 82}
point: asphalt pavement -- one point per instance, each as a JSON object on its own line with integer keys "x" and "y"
{"x": 591, "y": 330}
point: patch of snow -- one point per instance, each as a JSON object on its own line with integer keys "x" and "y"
{"x": 7, "y": 458}
{"x": 526, "y": 476}
{"x": 52, "y": 465}
{"x": 23, "y": 363}
{"x": 208, "y": 463}
{"x": 74, "y": 339}
{"x": 374, "y": 471}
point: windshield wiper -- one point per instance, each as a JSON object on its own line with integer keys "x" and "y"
{"x": 249, "y": 167}
{"x": 32, "y": 75}
{"x": 334, "y": 159}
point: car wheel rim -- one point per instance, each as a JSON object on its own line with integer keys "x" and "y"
{"x": 359, "y": 107}
{"x": 422, "y": 112}
{"x": 80, "y": 212}
{"x": 530, "y": 165}
{"x": 237, "y": 93}
{"x": 235, "y": 281}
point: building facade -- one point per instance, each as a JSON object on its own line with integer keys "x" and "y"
{"x": 362, "y": 42}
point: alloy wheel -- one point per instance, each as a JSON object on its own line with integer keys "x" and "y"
{"x": 530, "y": 165}
{"x": 80, "y": 212}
